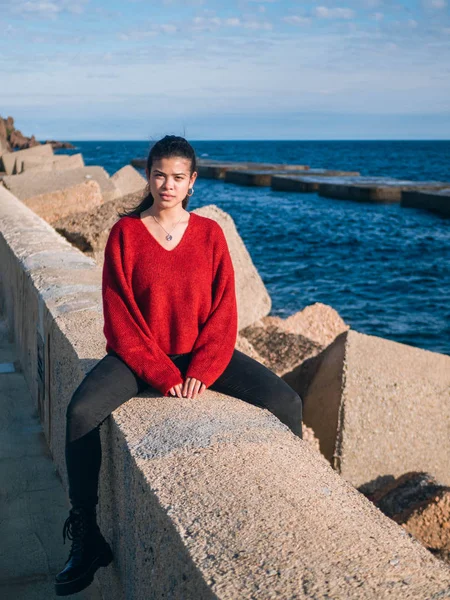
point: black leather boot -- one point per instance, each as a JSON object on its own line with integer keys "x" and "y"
{"x": 89, "y": 551}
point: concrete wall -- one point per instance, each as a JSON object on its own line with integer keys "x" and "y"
{"x": 212, "y": 498}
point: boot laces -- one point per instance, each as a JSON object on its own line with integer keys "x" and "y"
{"x": 76, "y": 529}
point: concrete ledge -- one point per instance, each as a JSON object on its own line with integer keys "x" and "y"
{"x": 378, "y": 192}
{"x": 436, "y": 202}
{"x": 213, "y": 498}
{"x": 11, "y": 162}
{"x": 57, "y": 162}
{"x": 351, "y": 186}
{"x": 27, "y": 185}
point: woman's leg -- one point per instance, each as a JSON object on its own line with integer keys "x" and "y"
{"x": 249, "y": 380}
{"x": 105, "y": 387}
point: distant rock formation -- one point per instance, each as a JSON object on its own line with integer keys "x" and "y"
{"x": 12, "y": 139}
{"x": 59, "y": 144}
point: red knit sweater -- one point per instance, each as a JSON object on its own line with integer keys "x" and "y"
{"x": 158, "y": 302}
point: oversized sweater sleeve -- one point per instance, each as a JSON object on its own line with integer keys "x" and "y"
{"x": 216, "y": 341}
{"x": 125, "y": 328}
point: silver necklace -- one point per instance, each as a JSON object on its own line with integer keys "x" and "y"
{"x": 168, "y": 236}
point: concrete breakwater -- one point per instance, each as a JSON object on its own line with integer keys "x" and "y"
{"x": 346, "y": 185}
{"x": 218, "y": 499}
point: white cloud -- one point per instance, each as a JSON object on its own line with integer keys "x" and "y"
{"x": 378, "y": 16}
{"x": 436, "y": 3}
{"x": 46, "y": 8}
{"x": 412, "y": 23}
{"x": 295, "y": 20}
{"x": 233, "y": 22}
{"x": 334, "y": 13}
{"x": 213, "y": 23}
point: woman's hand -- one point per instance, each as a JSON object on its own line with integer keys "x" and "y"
{"x": 193, "y": 387}
{"x": 190, "y": 389}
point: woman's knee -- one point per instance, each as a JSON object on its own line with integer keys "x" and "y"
{"x": 77, "y": 410}
{"x": 292, "y": 403}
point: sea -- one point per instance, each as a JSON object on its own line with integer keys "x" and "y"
{"x": 383, "y": 268}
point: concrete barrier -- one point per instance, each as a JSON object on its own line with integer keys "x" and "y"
{"x": 27, "y": 185}
{"x": 436, "y": 202}
{"x": 56, "y": 163}
{"x": 8, "y": 159}
{"x": 303, "y": 183}
{"x": 212, "y": 498}
{"x": 352, "y": 186}
{"x": 255, "y": 178}
{"x": 76, "y": 199}
{"x": 379, "y": 408}
{"x": 376, "y": 192}
{"x": 128, "y": 180}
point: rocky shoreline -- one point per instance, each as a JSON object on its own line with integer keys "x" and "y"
{"x": 13, "y": 139}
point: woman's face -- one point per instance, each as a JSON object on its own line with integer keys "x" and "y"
{"x": 170, "y": 180}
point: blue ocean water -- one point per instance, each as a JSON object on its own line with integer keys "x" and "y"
{"x": 385, "y": 269}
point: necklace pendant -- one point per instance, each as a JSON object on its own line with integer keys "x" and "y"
{"x": 168, "y": 237}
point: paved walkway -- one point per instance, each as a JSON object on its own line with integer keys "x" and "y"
{"x": 33, "y": 503}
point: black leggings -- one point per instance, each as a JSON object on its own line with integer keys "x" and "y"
{"x": 111, "y": 383}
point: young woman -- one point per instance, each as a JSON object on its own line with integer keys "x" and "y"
{"x": 170, "y": 323}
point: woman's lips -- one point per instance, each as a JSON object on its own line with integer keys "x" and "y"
{"x": 166, "y": 196}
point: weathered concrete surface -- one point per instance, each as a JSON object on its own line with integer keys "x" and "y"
{"x": 380, "y": 408}
{"x": 376, "y": 193}
{"x": 252, "y": 177}
{"x": 28, "y": 185}
{"x": 436, "y": 202}
{"x": 259, "y": 513}
{"x": 264, "y": 178}
{"x": 8, "y": 159}
{"x": 421, "y": 505}
{"x": 359, "y": 189}
{"x": 75, "y": 199}
{"x": 33, "y": 504}
{"x": 207, "y": 498}
{"x": 128, "y": 180}
{"x": 289, "y": 346}
{"x": 56, "y": 163}
{"x": 318, "y": 322}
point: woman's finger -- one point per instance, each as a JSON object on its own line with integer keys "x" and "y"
{"x": 197, "y": 385}
{"x": 191, "y": 387}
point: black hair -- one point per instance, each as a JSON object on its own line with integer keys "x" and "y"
{"x": 167, "y": 147}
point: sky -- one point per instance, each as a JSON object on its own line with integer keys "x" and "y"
{"x": 220, "y": 70}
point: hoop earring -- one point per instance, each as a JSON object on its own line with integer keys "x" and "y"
{"x": 192, "y": 192}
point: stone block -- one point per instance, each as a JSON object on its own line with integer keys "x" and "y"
{"x": 253, "y": 298}
{"x": 128, "y": 180}
{"x": 379, "y": 408}
{"x": 9, "y": 159}
{"x": 58, "y": 162}
{"x": 27, "y": 185}
{"x": 436, "y": 202}
{"x": 76, "y": 199}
